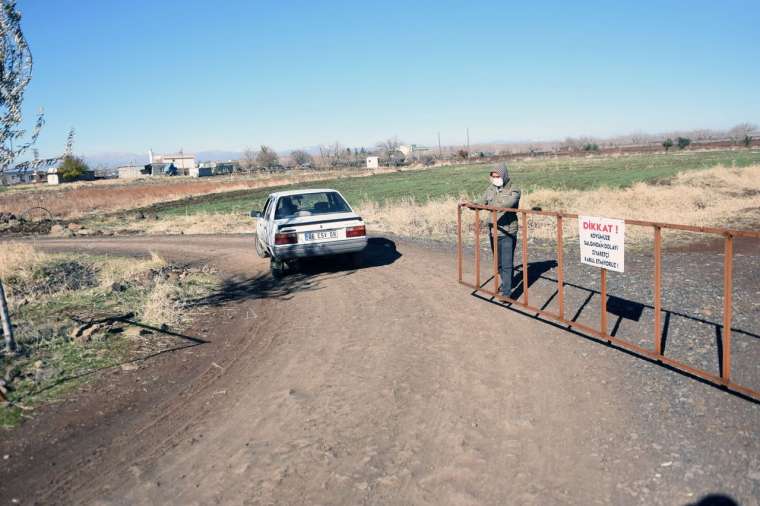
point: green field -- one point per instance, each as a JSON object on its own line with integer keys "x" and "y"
{"x": 565, "y": 173}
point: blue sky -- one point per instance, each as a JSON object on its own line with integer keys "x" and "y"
{"x": 201, "y": 75}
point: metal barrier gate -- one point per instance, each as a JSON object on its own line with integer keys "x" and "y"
{"x": 656, "y": 354}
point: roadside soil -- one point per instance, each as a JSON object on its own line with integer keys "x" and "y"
{"x": 384, "y": 384}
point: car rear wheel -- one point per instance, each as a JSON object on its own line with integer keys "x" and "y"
{"x": 277, "y": 267}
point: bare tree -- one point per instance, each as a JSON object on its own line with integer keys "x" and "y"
{"x": 248, "y": 160}
{"x": 266, "y": 157}
{"x": 741, "y": 131}
{"x": 388, "y": 146}
{"x": 301, "y": 157}
{"x": 337, "y": 154}
{"x": 15, "y": 74}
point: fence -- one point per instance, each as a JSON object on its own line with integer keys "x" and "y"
{"x": 656, "y": 352}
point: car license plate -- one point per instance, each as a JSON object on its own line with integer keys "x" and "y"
{"x": 321, "y": 235}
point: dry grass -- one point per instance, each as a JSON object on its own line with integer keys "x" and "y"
{"x": 157, "y": 298}
{"x": 118, "y": 269}
{"x": 17, "y": 259}
{"x": 162, "y": 305}
{"x": 720, "y": 197}
{"x": 200, "y": 223}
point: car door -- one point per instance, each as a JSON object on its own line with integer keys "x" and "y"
{"x": 261, "y": 229}
{"x": 269, "y": 222}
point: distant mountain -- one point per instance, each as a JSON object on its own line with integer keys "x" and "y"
{"x": 110, "y": 159}
{"x": 116, "y": 159}
{"x": 217, "y": 155}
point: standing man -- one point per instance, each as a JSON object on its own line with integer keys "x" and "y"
{"x": 500, "y": 193}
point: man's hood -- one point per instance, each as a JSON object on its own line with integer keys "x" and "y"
{"x": 503, "y": 172}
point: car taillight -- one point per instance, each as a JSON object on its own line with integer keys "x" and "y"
{"x": 359, "y": 231}
{"x": 287, "y": 238}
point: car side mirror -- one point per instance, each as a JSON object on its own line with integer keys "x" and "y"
{"x": 255, "y": 214}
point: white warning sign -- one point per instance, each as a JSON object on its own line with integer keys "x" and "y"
{"x": 602, "y": 242}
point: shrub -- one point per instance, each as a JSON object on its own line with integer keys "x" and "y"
{"x": 267, "y": 158}
{"x": 667, "y": 143}
{"x": 72, "y": 168}
{"x": 591, "y": 146}
{"x": 683, "y": 142}
{"x": 747, "y": 141}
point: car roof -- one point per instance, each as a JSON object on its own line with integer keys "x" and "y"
{"x": 301, "y": 192}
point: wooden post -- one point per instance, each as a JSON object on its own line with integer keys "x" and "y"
{"x": 10, "y": 343}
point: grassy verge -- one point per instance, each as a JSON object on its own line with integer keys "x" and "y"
{"x": 62, "y": 305}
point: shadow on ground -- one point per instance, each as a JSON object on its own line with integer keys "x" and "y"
{"x": 308, "y": 275}
{"x": 619, "y": 308}
{"x": 715, "y": 500}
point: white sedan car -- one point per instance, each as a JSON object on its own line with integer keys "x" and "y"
{"x": 306, "y": 223}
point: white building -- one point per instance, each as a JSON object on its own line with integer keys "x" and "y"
{"x": 131, "y": 171}
{"x": 373, "y": 162}
{"x": 33, "y": 171}
{"x": 52, "y": 176}
{"x": 201, "y": 172}
{"x": 412, "y": 149}
{"x": 184, "y": 163}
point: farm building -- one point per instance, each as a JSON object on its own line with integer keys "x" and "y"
{"x": 373, "y": 162}
{"x": 13, "y": 176}
{"x": 201, "y": 172}
{"x": 182, "y": 162}
{"x": 132, "y": 171}
{"x": 219, "y": 168}
{"x": 32, "y": 171}
{"x": 161, "y": 169}
{"x": 150, "y": 169}
{"x": 412, "y": 150}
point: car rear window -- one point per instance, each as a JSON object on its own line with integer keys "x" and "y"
{"x": 309, "y": 204}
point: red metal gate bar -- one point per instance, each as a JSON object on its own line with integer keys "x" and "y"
{"x": 603, "y": 297}
{"x": 495, "y": 248}
{"x": 525, "y": 257}
{"x": 560, "y": 268}
{"x": 477, "y": 247}
{"x": 728, "y": 268}
{"x": 658, "y": 290}
{"x": 459, "y": 242}
{"x": 656, "y": 354}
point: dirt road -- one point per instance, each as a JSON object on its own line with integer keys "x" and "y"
{"x": 388, "y": 384}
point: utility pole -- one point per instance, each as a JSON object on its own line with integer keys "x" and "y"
{"x": 439, "y": 144}
{"x": 468, "y": 141}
